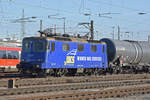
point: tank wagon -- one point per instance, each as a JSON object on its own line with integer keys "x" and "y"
{"x": 62, "y": 55}
{"x": 128, "y": 56}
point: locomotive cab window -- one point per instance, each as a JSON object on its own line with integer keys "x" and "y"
{"x": 66, "y": 47}
{"x": 80, "y": 47}
{"x": 39, "y": 45}
{"x": 94, "y": 48}
{"x": 103, "y": 49}
{"x": 53, "y": 46}
{"x": 26, "y": 45}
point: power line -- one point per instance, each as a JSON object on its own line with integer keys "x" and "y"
{"x": 122, "y": 19}
{"x": 47, "y": 8}
{"x": 23, "y": 20}
{"x": 118, "y": 6}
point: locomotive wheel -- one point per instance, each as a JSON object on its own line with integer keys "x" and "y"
{"x": 72, "y": 71}
{"x": 96, "y": 71}
{"x": 99, "y": 71}
{"x": 102, "y": 71}
{"x": 60, "y": 72}
{"x": 40, "y": 73}
{"x": 145, "y": 69}
{"x": 116, "y": 71}
{"x": 49, "y": 72}
{"x": 88, "y": 71}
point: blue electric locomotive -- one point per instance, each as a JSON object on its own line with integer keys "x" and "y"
{"x": 57, "y": 55}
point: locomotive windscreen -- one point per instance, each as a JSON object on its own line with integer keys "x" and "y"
{"x": 34, "y": 45}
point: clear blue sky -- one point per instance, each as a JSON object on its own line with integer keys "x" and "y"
{"x": 124, "y": 13}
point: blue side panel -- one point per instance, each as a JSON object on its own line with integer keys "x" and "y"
{"x": 74, "y": 58}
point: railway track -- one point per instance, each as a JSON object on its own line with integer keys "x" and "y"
{"x": 92, "y": 95}
{"x": 6, "y": 75}
{"x": 63, "y": 80}
{"x": 72, "y": 86}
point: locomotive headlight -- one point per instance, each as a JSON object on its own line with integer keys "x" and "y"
{"x": 38, "y": 66}
{"x": 22, "y": 59}
{"x": 39, "y": 60}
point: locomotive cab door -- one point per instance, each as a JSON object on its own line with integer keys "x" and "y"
{"x": 104, "y": 57}
{"x": 50, "y": 53}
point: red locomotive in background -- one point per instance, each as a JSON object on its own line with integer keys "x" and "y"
{"x": 9, "y": 55}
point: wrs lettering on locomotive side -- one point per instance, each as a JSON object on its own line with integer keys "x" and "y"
{"x": 84, "y": 58}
